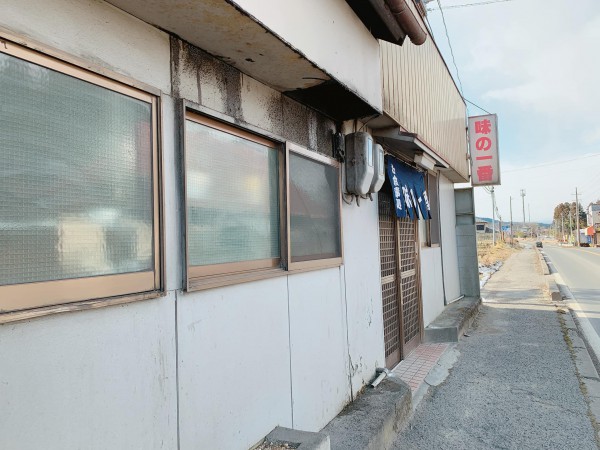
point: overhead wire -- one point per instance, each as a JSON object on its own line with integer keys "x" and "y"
{"x": 462, "y": 93}
{"x": 590, "y": 185}
{"x": 465, "y": 5}
{"x": 551, "y": 163}
{"x": 469, "y": 101}
{"x": 440, "y": 8}
{"x": 451, "y": 49}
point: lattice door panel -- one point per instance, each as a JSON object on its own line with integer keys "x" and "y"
{"x": 388, "y": 247}
{"x": 409, "y": 285}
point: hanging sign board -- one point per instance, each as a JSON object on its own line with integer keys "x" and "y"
{"x": 483, "y": 142}
{"x": 408, "y": 190}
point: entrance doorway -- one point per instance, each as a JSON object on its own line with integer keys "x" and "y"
{"x": 402, "y": 310}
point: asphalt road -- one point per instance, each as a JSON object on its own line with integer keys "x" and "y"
{"x": 514, "y": 385}
{"x": 580, "y": 270}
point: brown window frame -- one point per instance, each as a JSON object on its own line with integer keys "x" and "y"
{"x": 319, "y": 263}
{"x": 435, "y": 219}
{"x": 216, "y": 275}
{"x": 226, "y": 273}
{"x": 20, "y": 301}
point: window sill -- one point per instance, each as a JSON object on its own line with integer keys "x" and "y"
{"x": 213, "y": 281}
{"x": 210, "y": 282}
{"x": 27, "y": 314}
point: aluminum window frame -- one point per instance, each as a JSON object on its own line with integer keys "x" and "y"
{"x": 219, "y": 275}
{"x": 435, "y": 210}
{"x": 213, "y": 275}
{"x": 319, "y": 263}
{"x": 25, "y": 300}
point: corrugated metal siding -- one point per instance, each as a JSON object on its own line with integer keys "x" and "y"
{"x": 419, "y": 94}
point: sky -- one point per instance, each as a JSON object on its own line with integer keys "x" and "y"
{"x": 535, "y": 63}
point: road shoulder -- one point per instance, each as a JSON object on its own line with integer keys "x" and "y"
{"x": 580, "y": 337}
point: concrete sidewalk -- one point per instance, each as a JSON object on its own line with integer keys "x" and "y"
{"x": 515, "y": 384}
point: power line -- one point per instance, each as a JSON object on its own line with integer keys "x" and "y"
{"x": 469, "y": 101}
{"x": 451, "y": 50}
{"x": 465, "y": 5}
{"x": 454, "y": 60}
{"x": 593, "y": 182}
{"x": 551, "y": 163}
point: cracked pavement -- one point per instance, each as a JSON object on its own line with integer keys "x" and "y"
{"x": 515, "y": 384}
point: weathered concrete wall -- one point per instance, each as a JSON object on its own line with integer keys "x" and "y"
{"x": 319, "y": 354}
{"x": 204, "y": 80}
{"x": 284, "y": 351}
{"x": 96, "y": 379}
{"x": 234, "y": 364}
{"x": 101, "y": 378}
{"x": 361, "y": 273}
{"x": 317, "y": 346}
{"x": 448, "y": 239}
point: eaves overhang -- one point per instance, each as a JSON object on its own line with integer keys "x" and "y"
{"x": 397, "y": 141}
{"x": 227, "y": 32}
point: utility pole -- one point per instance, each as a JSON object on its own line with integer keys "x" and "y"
{"x": 493, "y": 216}
{"x": 577, "y": 217}
{"x": 511, "y": 222}
{"x": 523, "y": 199}
{"x": 529, "y": 215}
{"x": 562, "y": 223}
{"x": 571, "y": 225}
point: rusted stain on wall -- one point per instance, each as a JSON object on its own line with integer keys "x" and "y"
{"x": 201, "y": 78}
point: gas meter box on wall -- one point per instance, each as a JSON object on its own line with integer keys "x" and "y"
{"x": 359, "y": 163}
{"x": 379, "y": 176}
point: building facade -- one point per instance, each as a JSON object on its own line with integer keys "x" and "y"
{"x": 593, "y": 222}
{"x": 181, "y": 268}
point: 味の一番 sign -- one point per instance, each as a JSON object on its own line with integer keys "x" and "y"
{"x": 483, "y": 141}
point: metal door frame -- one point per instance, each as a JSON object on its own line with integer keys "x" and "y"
{"x": 388, "y": 246}
{"x": 407, "y": 347}
{"x": 404, "y": 348}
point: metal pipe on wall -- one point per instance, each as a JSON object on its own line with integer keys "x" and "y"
{"x": 407, "y": 21}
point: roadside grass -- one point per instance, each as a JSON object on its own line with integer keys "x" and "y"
{"x": 489, "y": 255}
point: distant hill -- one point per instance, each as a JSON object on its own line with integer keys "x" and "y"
{"x": 515, "y": 222}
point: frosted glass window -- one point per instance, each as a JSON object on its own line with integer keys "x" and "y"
{"x": 75, "y": 177}
{"x": 232, "y": 187}
{"x": 314, "y": 209}
{"x": 434, "y": 222}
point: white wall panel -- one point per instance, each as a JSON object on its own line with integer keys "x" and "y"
{"x": 234, "y": 364}
{"x": 90, "y": 380}
{"x": 432, "y": 287}
{"x": 361, "y": 273}
{"x": 448, "y": 239}
{"x": 320, "y": 381}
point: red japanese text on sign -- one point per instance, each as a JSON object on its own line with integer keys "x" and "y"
{"x": 483, "y": 141}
